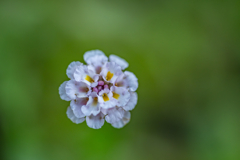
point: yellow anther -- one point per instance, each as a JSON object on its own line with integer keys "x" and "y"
{"x": 105, "y": 97}
{"x": 109, "y": 76}
{"x": 115, "y": 95}
{"x": 89, "y": 79}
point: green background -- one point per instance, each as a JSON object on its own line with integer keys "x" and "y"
{"x": 186, "y": 55}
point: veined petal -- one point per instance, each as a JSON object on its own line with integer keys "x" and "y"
{"x": 114, "y": 114}
{"x": 95, "y": 122}
{"x": 77, "y": 105}
{"x": 121, "y": 62}
{"x": 121, "y": 95}
{"x": 106, "y": 100}
{"x": 72, "y": 117}
{"x": 110, "y": 72}
{"x": 104, "y": 111}
{"x": 90, "y": 55}
{"x": 85, "y": 74}
{"x": 71, "y": 69}
{"x": 126, "y": 118}
{"x": 128, "y": 80}
{"x": 131, "y": 80}
{"x": 92, "y": 106}
{"x": 132, "y": 102}
{"x": 62, "y": 92}
{"x": 76, "y": 89}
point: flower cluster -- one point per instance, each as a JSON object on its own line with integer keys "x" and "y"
{"x": 100, "y": 90}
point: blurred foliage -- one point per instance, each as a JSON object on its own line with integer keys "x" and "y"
{"x": 186, "y": 55}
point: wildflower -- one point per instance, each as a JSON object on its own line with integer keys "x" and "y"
{"x": 100, "y": 90}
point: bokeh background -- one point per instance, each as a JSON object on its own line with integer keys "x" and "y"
{"x": 186, "y": 55}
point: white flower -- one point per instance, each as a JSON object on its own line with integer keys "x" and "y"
{"x": 121, "y": 95}
{"x": 96, "y": 59}
{"x": 110, "y": 72}
{"x": 100, "y": 90}
{"x": 92, "y": 106}
{"x": 85, "y": 74}
{"x": 122, "y": 122}
{"x": 72, "y": 116}
{"x": 132, "y": 102}
{"x": 71, "y": 69}
{"x": 76, "y": 106}
{"x": 127, "y": 80}
{"x": 76, "y": 89}
{"x": 106, "y": 99}
{"x": 121, "y": 62}
{"x": 95, "y": 122}
{"x": 114, "y": 114}
{"x": 62, "y": 92}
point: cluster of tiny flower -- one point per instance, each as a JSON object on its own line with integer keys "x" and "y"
{"x": 100, "y": 90}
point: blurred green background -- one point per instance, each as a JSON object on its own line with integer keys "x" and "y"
{"x": 186, "y": 55}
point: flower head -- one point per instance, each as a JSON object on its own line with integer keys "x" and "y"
{"x": 100, "y": 90}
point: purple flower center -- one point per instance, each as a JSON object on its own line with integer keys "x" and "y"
{"x": 101, "y": 86}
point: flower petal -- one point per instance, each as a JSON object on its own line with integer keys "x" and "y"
{"x": 71, "y": 69}
{"x": 62, "y": 92}
{"x": 126, "y": 118}
{"x": 111, "y": 71}
{"x": 95, "y": 122}
{"x": 106, "y": 100}
{"x": 76, "y": 89}
{"x": 132, "y": 81}
{"x": 89, "y": 55}
{"x": 132, "y": 102}
{"x": 72, "y": 117}
{"x": 120, "y": 95}
{"x": 114, "y": 114}
{"x": 87, "y": 75}
{"x": 121, "y": 62}
{"x": 77, "y": 105}
{"x": 92, "y": 106}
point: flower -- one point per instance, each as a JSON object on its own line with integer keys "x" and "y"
{"x": 100, "y": 90}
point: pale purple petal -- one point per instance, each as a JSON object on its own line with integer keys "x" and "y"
{"x": 114, "y": 114}
{"x": 132, "y": 102}
{"x": 121, "y": 95}
{"x": 95, "y": 122}
{"x": 121, "y": 62}
{"x": 110, "y": 103}
{"x": 84, "y": 74}
{"x": 72, "y": 117}
{"x": 76, "y": 106}
{"x": 89, "y": 55}
{"x": 132, "y": 81}
{"x": 71, "y": 69}
{"x": 76, "y": 89}
{"x": 111, "y": 68}
{"x": 92, "y": 106}
{"x": 62, "y": 92}
{"x": 123, "y": 121}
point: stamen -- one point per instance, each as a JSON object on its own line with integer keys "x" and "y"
{"x": 105, "y": 97}
{"x": 100, "y": 83}
{"x": 106, "y": 86}
{"x": 115, "y": 95}
{"x": 99, "y": 88}
{"x": 95, "y": 90}
{"x": 109, "y": 76}
{"x": 89, "y": 79}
